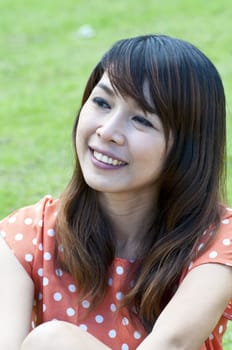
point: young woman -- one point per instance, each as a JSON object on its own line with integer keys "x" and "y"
{"x": 136, "y": 253}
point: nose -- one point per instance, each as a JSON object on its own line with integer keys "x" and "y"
{"x": 112, "y": 130}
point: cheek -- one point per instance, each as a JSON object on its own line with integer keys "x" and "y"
{"x": 87, "y": 121}
{"x": 82, "y": 127}
{"x": 152, "y": 150}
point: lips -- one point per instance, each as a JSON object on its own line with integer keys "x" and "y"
{"x": 103, "y": 158}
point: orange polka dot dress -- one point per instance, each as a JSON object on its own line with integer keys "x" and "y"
{"x": 30, "y": 233}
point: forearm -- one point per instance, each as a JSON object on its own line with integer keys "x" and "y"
{"x": 165, "y": 342}
{"x": 193, "y": 312}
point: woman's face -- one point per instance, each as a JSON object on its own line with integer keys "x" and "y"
{"x": 120, "y": 148}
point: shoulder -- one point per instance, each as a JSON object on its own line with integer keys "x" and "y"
{"x": 24, "y": 229}
{"x": 218, "y": 252}
{"x": 30, "y": 215}
{"x": 220, "y": 249}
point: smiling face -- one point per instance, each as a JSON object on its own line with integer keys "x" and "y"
{"x": 121, "y": 149}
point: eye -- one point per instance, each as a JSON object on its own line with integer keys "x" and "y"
{"x": 143, "y": 121}
{"x": 101, "y": 102}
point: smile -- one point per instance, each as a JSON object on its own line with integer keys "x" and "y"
{"x": 107, "y": 160}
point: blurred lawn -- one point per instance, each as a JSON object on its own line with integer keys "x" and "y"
{"x": 44, "y": 64}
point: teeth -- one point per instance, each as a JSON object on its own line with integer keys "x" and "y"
{"x": 105, "y": 159}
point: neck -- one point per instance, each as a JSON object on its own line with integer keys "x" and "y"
{"x": 131, "y": 218}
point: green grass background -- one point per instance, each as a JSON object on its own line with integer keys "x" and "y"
{"x": 44, "y": 64}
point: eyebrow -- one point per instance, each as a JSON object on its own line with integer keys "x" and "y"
{"x": 106, "y": 88}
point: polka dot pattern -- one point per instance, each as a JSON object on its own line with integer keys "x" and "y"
{"x": 113, "y": 307}
{"x": 12, "y": 220}
{"x": 99, "y": 319}
{"x": 31, "y": 233}
{"x": 85, "y": 304}
{"x": 119, "y": 270}
{"x": 28, "y": 221}
{"x": 18, "y": 236}
{"x": 72, "y": 288}
{"x": 125, "y": 347}
{"x": 57, "y": 296}
{"x": 83, "y": 327}
{"x": 51, "y": 232}
{"x": 28, "y": 257}
{"x": 70, "y": 312}
{"x": 137, "y": 335}
{"x": 112, "y": 333}
{"x": 125, "y": 321}
{"x": 213, "y": 254}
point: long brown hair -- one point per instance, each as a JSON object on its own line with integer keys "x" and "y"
{"x": 187, "y": 93}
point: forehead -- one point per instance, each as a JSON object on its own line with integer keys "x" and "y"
{"x": 106, "y": 85}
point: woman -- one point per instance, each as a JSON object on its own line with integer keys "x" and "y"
{"x": 136, "y": 254}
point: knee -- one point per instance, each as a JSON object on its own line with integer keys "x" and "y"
{"x": 45, "y": 336}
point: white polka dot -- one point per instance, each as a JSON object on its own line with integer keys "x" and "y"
{"x": 40, "y": 223}
{"x": 211, "y": 337}
{"x": 29, "y": 257}
{"x": 119, "y": 270}
{"x": 112, "y": 333}
{"x": 18, "y": 236}
{"x": 110, "y": 281}
{"x": 12, "y": 219}
{"x": 190, "y": 265}
{"x": 51, "y": 232}
{"x": 99, "y": 319}
{"x": 125, "y": 347}
{"x": 220, "y": 329}
{"x": 47, "y": 256}
{"x": 3, "y": 233}
{"x": 44, "y": 307}
{"x": 40, "y": 296}
{"x": 45, "y": 281}
{"x": 85, "y": 304}
{"x": 57, "y": 296}
{"x": 59, "y": 272}
{"x": 34, "y": 241}
{"x": 119, "y": 295}
{"x": 137, "y": 335}
{"x": 125, "y": 321}
{"x": 225, "y": 221}
{"x": 83, "y": 327}
{"x": 40, "y": 272}
{"x": 113, "y": 307}
{"x": 40, "y": 247}
{"x": 226, "y": 241}
{"x": 213, "y": 254}
{"x": 28, "y": 221}
{"x": 70, "y": 311}
{"x": 72, "y": 288}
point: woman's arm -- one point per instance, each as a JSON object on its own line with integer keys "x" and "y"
{"x": 60, "y": 335}
{"x": 194, "y": 310}
{"x": 16, "y": 298}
